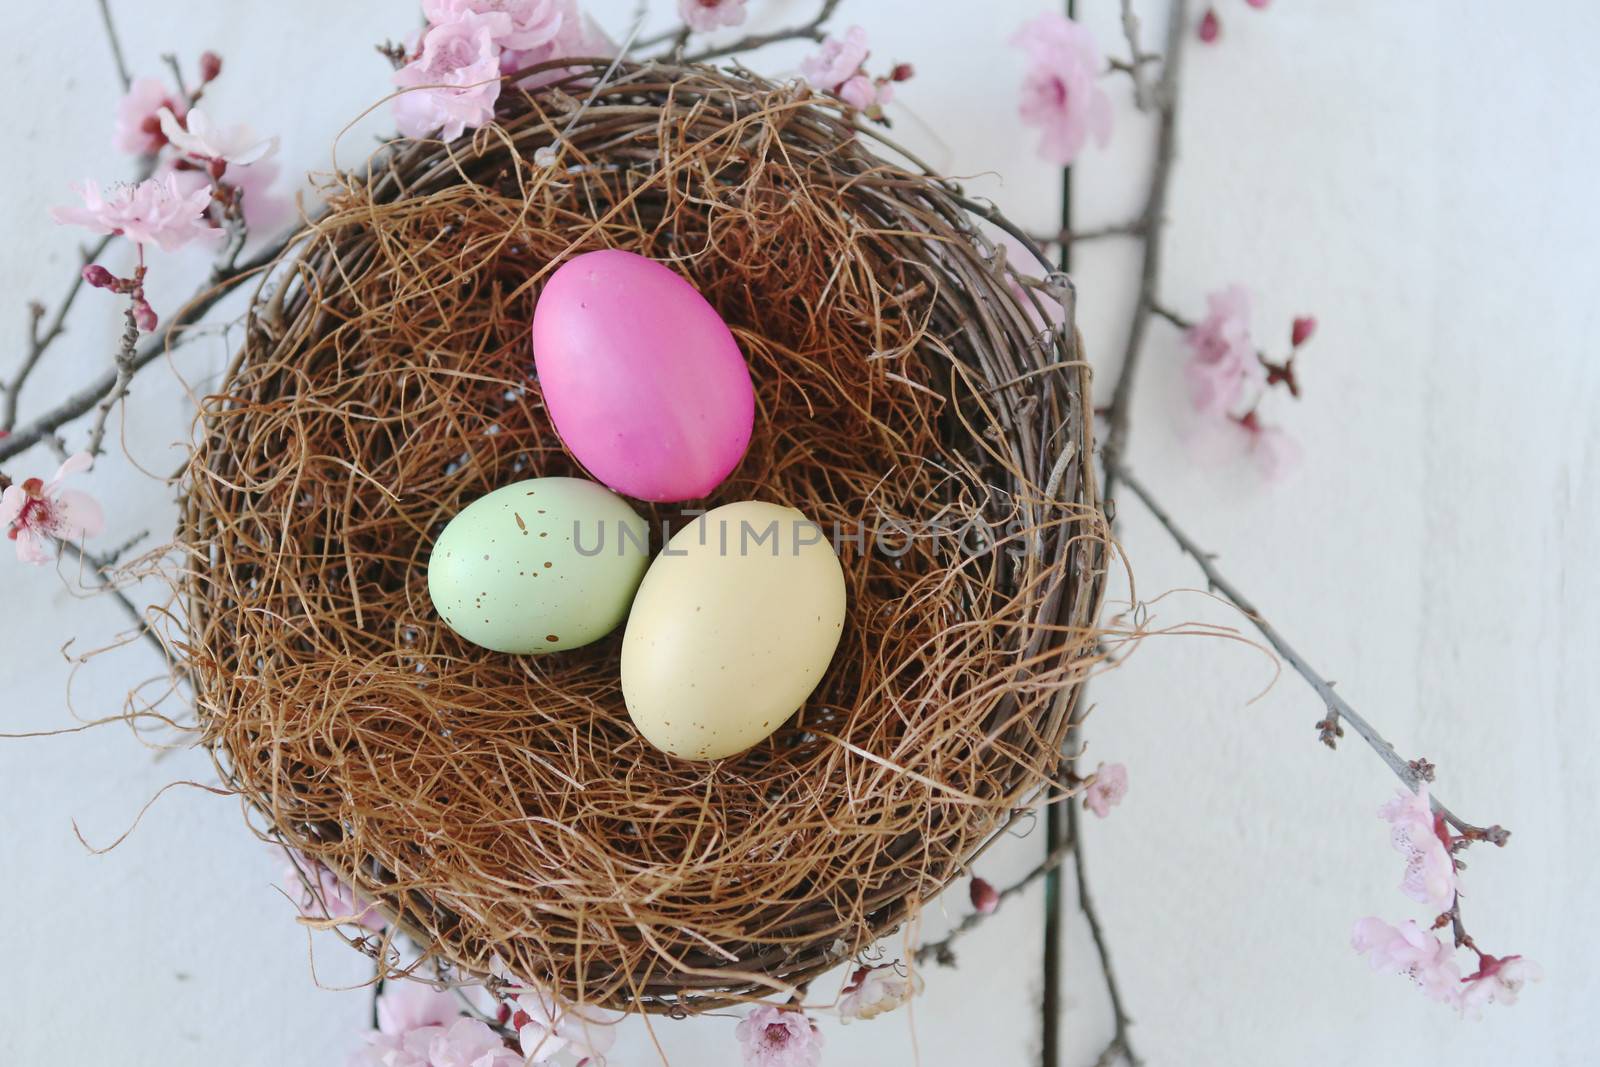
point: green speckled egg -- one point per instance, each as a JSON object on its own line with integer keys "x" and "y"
{"x": 539, "y": 566}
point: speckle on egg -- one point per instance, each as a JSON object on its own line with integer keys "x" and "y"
{"x": 595, "y": 590}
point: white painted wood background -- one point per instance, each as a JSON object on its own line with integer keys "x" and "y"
{"x": 1420, "y": 175}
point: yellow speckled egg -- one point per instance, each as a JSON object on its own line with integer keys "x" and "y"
{"x": 538, "y": 566}
{"x": 732, "y": 628}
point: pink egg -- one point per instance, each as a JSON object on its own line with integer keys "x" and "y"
{"x": 641, "y": 377}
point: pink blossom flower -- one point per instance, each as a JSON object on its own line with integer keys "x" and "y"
{"x": 707, "y": 15}
{"x": 35, "y": 513}
{"x": 1412, "y": 951}
{"x": 518, "y": 24}
{"x": 455, "y": 81}
{"x": 138, "y": 129}
{"x": 428, "y": 1030}
{"x": 875, "y": 990}
{"x": 404, "y": 1006}
{"x": 1106, "y": 789}
{"x": 396, "y": 1050}
{"x": 1223, "y": 366}
{"x": 867, "y": 94}
{"x": 579, "y": 38}
{"x": 265, "y": 207}
{"x": 320, "y": 894}
{"x": 777, "y": 1037}
{"x": 837, "y": 61}
{"x": 1277, "y": 453}
{"x": 1421, "y": 837}
{"x": 548, "y": 1026}
{"x": 1060, "y": 94}
{"x": 1496, "y": 981}
{"x": 195, "y": 135}
{"x": 155, "y": 211}
{"x": 984, "y": 896}
{"x": 471, "y": 1043}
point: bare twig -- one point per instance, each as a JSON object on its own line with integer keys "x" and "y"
{"x": 39, "y": 341}
{"x": 1119, "y": 1047}
{"x": 97, "y": 567}
{"x": 1164, "y": 312}
{"x": 941, "y": 952}
{"x": 1137, "y": 58}
{"x": 1151, "y": 218}
{"x": 115, "y": 552}
{"x": 1409, "y": 772}
{"x": 173, "y": 65}
{"x": 1149, "y": 223}
{"x": 809, "y": 31}
{"x": 116, "y": 44}
{"x": 123, "y": 364}
{"x": 1131, "y": 228}
{"x": 83, "y": 401}
{"x": 236, "y": 233}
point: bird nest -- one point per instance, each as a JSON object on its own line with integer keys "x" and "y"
{"x": 912, "y": 389}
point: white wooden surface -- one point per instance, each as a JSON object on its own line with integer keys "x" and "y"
{"x": 1418, "y": 174}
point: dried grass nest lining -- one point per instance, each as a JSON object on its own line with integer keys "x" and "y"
{"x": 505, "y": 805}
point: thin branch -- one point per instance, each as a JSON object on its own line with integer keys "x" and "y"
{"x": 809, "y": 31}
{"x": 1131, "y": 228}
{"x": 236, "y": 232}
{"x": 38, "y": 342}
{"x": 940, "y": 951}
{"x": 97, "y": 567}
{"x": 1150, "y": 221}
{"x": 1137, "y": 58}
{"x": 116, "y": 44}
{"x": 123, "y": 364}
{"x": 1164, "y": 312}
{"x": 173, "y": 65}
{"x": 1412, "y": 774}
{"x": 114, "y": 553}
{"x": 1119, "y": 1047}
{"x": 1155, "y": 210}
{"x": 83, "y": 401}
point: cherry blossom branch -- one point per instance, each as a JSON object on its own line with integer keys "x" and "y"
{"x": 123, "y": 362}
{"x": 942, "y": 951}
{"x": 38, "y": 342}
{"x": 84, "y": 400}
{"x": 1412, "y": 773}
{"x": 116, "y": 44}
{"x": 1278, "y": 372}
{"x": 1150, "y": 219}
{"x": 809, "y": 31}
